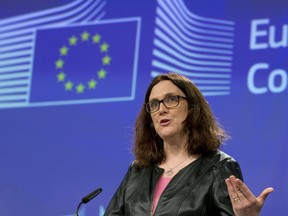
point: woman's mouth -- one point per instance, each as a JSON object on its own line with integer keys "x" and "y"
{"x": 165, "y": 122}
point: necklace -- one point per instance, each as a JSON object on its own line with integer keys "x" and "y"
{"x": 170, "y": 172}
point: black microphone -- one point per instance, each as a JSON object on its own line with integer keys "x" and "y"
{"x": 88, "y": 198}
{"x": 91, "y": 196}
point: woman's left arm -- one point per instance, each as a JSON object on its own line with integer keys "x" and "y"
{"x": 221, "y": 203}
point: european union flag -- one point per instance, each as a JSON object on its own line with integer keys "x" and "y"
{"x": 86, "y": 63}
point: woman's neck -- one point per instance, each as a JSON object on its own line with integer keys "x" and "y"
{"x": 175, "y": 147}
{"x": 177, "y": 156}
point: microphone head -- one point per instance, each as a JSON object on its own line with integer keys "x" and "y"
{"x": 90, "y": 196}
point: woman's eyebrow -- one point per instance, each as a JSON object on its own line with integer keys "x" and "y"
{"x": 167, "y": 94}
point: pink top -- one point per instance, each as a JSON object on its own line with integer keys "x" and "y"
{"x": 160, "y": 186}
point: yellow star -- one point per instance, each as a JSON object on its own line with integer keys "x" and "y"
{"x": 73, "y": 40}
{"x": 59, "y": 63}
{"x": 92, "y": 84}
{"x": 104, "y": 47}
{"x": 96, "y": 38}
{"x": 64, "y": 51}
{"x": 102, "y": 74}
{"x": 106, "y": 60}
{"x": 61, "y": 76}
{"x": 85, "y": 36}
{"x": 68, "y": 86}
{"x": 80, "y": 88}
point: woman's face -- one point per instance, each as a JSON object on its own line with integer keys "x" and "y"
{"x": 168, "y": 122}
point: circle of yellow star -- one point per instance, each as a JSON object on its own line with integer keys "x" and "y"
{"x": 63, "y": 53}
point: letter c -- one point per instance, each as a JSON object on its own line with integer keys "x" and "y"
{"x": 250, "y": 79}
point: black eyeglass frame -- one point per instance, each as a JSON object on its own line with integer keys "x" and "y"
{"x": 163, "y": 101}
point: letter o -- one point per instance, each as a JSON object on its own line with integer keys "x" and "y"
{"x": 283, "y": 83}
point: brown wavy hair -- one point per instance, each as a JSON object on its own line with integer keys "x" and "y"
{"x": 205, "y": 135}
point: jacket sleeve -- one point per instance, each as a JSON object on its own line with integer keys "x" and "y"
{"x": 116, "y": 205}
{"x": 222, "y": 205}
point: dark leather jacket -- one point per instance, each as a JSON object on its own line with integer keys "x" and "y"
{"x": 198, "y": 189}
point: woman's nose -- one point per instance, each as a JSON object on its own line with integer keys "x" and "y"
{"x": 162, "y": 108}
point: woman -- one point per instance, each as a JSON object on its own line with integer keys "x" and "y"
{"x": 178, "y": 169}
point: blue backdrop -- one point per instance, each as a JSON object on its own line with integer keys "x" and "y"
{"x": 73, "y": 74}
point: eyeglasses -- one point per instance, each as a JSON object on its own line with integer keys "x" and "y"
{"x": 169, "y": 102}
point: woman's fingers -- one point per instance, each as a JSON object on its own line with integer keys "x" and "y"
{"x": 243, "y": 200}
{"x": 262, "y": 197}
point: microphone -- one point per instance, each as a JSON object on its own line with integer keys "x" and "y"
{"x": 88, "y": 198}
